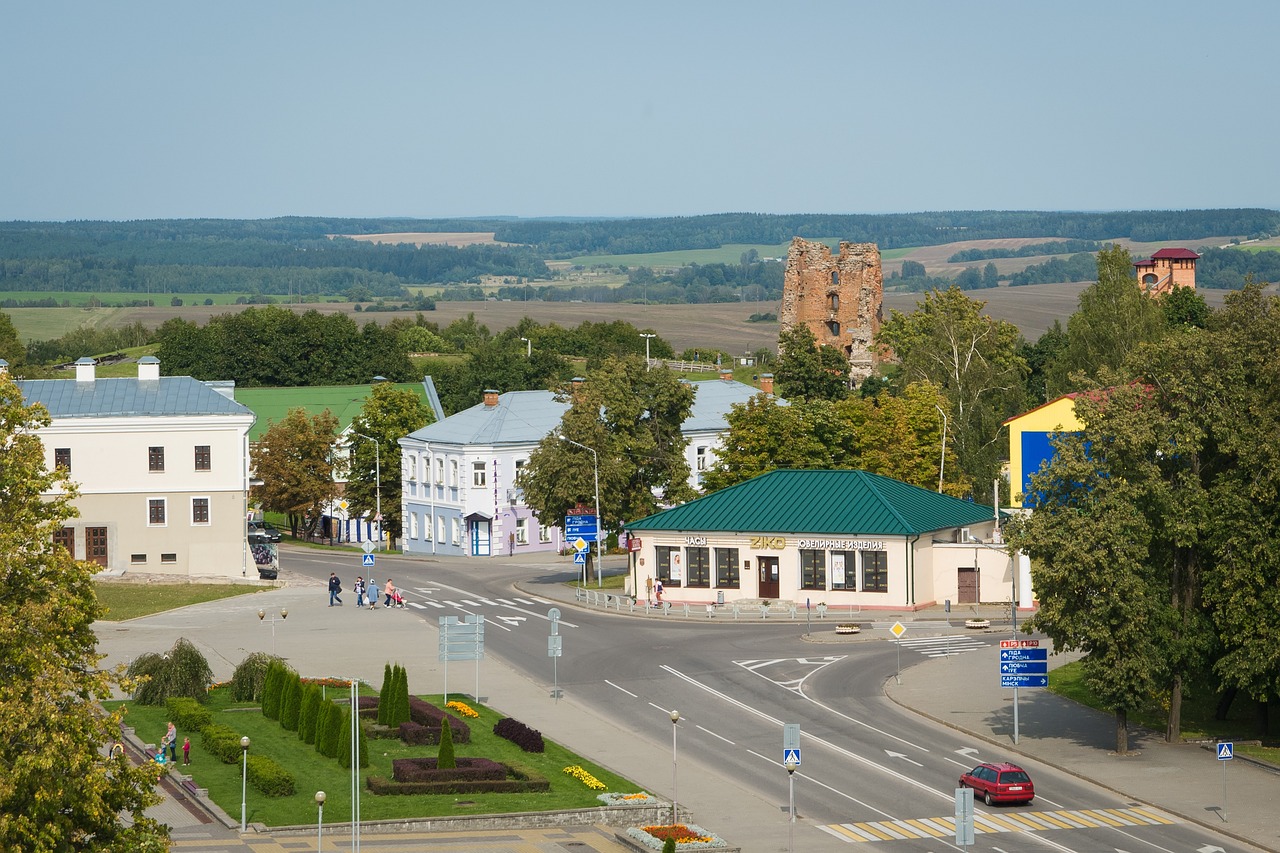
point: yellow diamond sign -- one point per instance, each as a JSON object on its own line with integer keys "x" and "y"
{"x": 898, "y": 630}
{"x": 580, "y": 544}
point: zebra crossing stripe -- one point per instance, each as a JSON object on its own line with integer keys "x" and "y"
{"x": 1153, "y": 817}
{"x": 938, "y": 827}
{"x": 923, "y": 826}
{"x": 1101, "y": 815}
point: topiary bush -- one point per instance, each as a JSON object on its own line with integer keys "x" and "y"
{"x": 444, "y": 756}
{"x": 189, "y": 714}
{"x": 530, "y": 740}
{"x": 291, "y": 702}
{"x": 181, "y": 671}
{"x": 246, "y": 681}
{"x": 269, "y": 777}
{"x": 309, "y": 713}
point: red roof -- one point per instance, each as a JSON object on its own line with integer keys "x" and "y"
{"x": 1176, "y": 254}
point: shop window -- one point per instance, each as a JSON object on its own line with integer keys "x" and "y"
{"x": 844, "y": 570}
{"x": 727, "y": 568}
{"x": 669, "y": 568}
{"x": 697, "y": 567}
{"x": 875, "y": 571}
{"x": 813, "y": 569}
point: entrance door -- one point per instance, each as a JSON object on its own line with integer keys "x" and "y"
{"x": 479, "y": 537}
{"x": 95, "y": 545}
{"x": 768, "y": 576}
{"x": 967, "y": 585}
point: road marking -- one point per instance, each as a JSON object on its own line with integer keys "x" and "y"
{"x": 623, "y": 689}
{"x": 941, "y": 647}
{"x": 714, "y": 735}
{"x": 989, "y": 823}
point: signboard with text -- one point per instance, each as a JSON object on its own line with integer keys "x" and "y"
{"x": 1023, "y": 664}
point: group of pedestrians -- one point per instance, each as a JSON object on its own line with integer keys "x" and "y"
{"x": 367, "y": 595}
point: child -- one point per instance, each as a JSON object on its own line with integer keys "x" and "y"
{"x": 186, "y": 750}
{"x": 359, "y": 591}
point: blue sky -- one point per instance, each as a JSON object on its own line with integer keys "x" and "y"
{"x": 230, "y": 109}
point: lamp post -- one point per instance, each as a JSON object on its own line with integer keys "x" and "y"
{"x": 648, "y": 336}
{"x": 942, "y": 459}
{"x": 377, "y": 481}
{"x": 675, "y": 809}
{"x": 262, "y": 615}
{"x": 319, "y": 819}
{"x": 528, "y": 347}
{"x": 244, "y": 779}
{"x": 790, "y": 764}
{"x": 595, "y": 464}
{"x": 1013, "y": 611}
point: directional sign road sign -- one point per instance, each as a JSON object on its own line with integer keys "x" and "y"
{"x": 1226, "y": 750}
{"x": 1023, "y": 654}
{"x": 367, "y": 561}
{"x": 1025, "y": 667}
{"x": 1024, "y": 681}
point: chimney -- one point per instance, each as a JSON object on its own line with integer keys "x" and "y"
{"x": 726, "y": 374}
{"x": 766, "y": 383}
{"x": 575, "y": 385}
{"x": 149, "y": 368}
{"x": 490, "y": 397}
{"x": 85, "y": 369}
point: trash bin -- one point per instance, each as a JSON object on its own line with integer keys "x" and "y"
{"x": 946, "y": 605}
{"x": 720, "y": 596}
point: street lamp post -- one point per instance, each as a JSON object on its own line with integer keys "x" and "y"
{"x": 790, "y": 764}
{"x": 262, "y": 615}
{"x": 942, "y": 459}
{"x": 244, "y": 779}
{"x": 319, "y": 819}
{"x": 377, "y": 481}
{"x": 595, "y": 464}
{"x": 675, "y": 809}
{"x": 528, "y": 347}
{"x": 1013, "y": 612}
{"x": 648, "y": 336}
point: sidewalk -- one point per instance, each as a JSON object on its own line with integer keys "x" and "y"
{"x": 962, "y": 692}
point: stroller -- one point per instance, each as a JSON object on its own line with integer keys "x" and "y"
{"x": 396, "y": 599}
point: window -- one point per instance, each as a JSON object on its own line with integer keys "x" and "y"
{"x": 875, "y": 571}
{"x": 813, "y": 569}
{"x": 413, "y": 525}
{"x": 66, "y": 537}
{"x": 833, "y": 302}
{"x": 833, "y": 327}
{"x": 168, "y": 558}
{"x": 456, "y": 537}
{"x": 453, "y": 473}
{"x": 702, "y": 459}
{"x": 204, "y": 458}
{"x": 427, "y": 525}
{"x": 844, "y": 573}
{"x": 155, "y": 458}
{"x": 62, "y": 459}
{"x": 440, "y": 528}
{"x": 520, "y": 463}
{"x": 667, "y": 558}
{"x": 439, "y": 472}
{"x": 478, "y": 477}
{"x": 727, "y": 568}
{"x": 522, "y": 531}
{"x": 697, "y": 567}
{"x": 544, "y": 533}
{"x": 199, "y": 510}
{"x": 155, "y": 511}
{"x": 137, "y": 558}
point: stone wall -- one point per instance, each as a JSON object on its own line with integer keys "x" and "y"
{"x": 839, "y": 297}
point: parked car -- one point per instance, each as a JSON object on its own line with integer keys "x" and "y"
{"x": 999, "y": 783}
{"x": 263, "y": 528}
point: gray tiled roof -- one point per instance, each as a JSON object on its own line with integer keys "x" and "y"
{"x": 129, "y": 397}
{"x": 711, "y": 403}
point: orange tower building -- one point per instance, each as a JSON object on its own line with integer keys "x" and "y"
{"x": 1159, "y": 274}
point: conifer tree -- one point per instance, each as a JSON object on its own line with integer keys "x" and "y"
{"x": 444, "y": 758}
{"x": 291, "y": 703}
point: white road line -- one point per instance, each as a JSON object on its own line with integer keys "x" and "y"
{"x": 623, "y": 689}
{"x": 714, "y": 735}
{"x": 821, "y": 784}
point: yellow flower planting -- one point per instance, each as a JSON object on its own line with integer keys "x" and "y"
{"x": 462, "y": 709}
{"x": 586, "y": 778}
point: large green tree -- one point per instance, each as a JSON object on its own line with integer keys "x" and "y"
{"x": 977, "y": 364}
{"x": 807, "y": 371}
{"x": 11, "y": 346}
{"x": 58, "y": 789}
{"x": 293, "y": 461}
{"x": 631, "y": 418}
{"x": 388, "y": 415}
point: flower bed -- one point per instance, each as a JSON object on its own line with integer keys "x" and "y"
{"x": 688, "y": 837}
{"x": 643, "y": 798}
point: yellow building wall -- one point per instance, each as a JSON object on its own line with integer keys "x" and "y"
{"x": 1058, "y": 415}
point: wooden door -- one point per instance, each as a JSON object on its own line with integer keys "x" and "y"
{"x": 768, "y": 577}
{"x": 967, "y": 585}
{"x": 95, "y": 545}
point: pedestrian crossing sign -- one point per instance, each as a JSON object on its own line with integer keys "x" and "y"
{"x": 580, "y": 558}
{"x": 791, "y": 756}
{"x": 367, "y": 561}
{"x": 1225, "y": 750}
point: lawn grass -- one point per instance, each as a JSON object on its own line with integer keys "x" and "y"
{"x": 132, "y": 600}
{"x": 314, "y": 772}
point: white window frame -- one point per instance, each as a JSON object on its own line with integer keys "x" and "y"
{"x": 441, "y": 529}
{"x": 427, "y": 523}
{"x": 479, "y": 474}
{"x": 453, "y": 473}
{"x": 456, "y": 538}
{"x": 413, "y": 525}
{"x": 164, "y": 508}
{"x": 440, "y": 471}
{"x": 544, "y": 533}
{"x": 522, "y": 531}
{"x": 701, "y": 459}
{"x": 209, "y": 505}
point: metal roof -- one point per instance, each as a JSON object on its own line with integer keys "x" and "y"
{"x": 850, "y": 503}
{"x": 712, "y": 400}
{"x": 128, "y": 397}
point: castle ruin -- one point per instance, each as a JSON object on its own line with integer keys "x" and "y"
{"x": 838, "y": 297}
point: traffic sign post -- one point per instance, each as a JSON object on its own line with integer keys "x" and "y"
{"x": 1022, "y": 664}
{"x": 964, "y": 816}
{"x": 367, "y": 561}
{"x": 898, "y": 630}
{"x": 1226, "y": 752}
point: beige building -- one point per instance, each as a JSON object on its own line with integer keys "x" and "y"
{"x": 1166, "y": 270}
{"x": 162, "y": 466}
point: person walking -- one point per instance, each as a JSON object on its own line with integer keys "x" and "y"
{"x": 373, "y": 593}
{"x": 186, "y": 750}
{"x": 390, "y": 592}
{"x": 359, "y": 591}
{"x": 335, "y": 588}
{"x": 657, "y": 592}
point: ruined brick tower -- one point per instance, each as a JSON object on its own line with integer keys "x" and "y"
{"x": 838, "y": 297}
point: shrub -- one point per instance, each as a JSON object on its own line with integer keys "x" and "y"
{"x": 332, "y": 730}
{"x": 344, "y": 743}
{"x": 181, "y": 671}
{"x": 669, "y": 846}
{"x": 425, "y": 714}
{"x": 246, "y": 681}
{"x": 444, "y": 756}
{"x": 269, "y": 777}
{"x": 189, "y": 714}
{"x": 519, "y": 779}
{"x": 222, "y": 742}
{"x": 384, "y": 695}
{"x": 291, "y": 704}
{"x": 530, "y": 740}
{"x": 309, "y": 713}
{"x": 270, "y": 698}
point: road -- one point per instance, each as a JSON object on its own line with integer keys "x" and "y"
{"x": 870, "y": 771}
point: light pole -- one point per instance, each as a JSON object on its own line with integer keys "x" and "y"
{"x": 244, "y": 779}
{"x": 595, "y": 463}
{"x": 675, "y": 810}
{"x": 262, "y": 614}
{"x": 377, "y": 481}
{"x": 528, "y": 347}
{"x": 942, "y": 459}
{"x": 319, "y": 819}
{"x": 1013, "y": 612}
{"x": 648, "y": 336}
{"x": 790, "y": 764}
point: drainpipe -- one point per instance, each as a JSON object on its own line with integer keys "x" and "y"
{"x": 911, "y": 569}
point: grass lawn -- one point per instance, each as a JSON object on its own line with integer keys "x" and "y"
{"x": 132, "y": 600}
{"x": 313, "y": 772}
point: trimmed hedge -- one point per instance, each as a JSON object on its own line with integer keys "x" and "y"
{"x": 520, "y": 780}
{"x": 425, "y": 714}
{"x": 188, "y": 714}
{"x": 269, "y": 777}
{"x": 429, "y": 769}
{"x": 530, "y": 740}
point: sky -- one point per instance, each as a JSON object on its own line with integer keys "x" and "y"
{"x": 249, "y": 109}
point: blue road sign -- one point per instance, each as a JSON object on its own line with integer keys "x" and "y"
{"x": 367, "y": 561}
{"x": 1024, "y": 681}
{"x": 580, "y": 558}
{"x": 1024, "y": 667}
{"x": 1226, "y": 751}
{"x": 1023, "y": 654}
{"x": 580, "y": 525}
{"x": 791, "y": 755}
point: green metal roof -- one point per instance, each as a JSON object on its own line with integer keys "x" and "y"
{"x": 819, "y": 502}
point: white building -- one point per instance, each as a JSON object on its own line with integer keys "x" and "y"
{"x": 162, "y": 465}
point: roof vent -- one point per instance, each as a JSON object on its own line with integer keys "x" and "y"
{"x": 490, "y": 397}
{"x": 149, "y": 368}
{"x": 85, "y": 369}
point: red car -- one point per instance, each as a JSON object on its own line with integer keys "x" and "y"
{"x": 999, "y": 783}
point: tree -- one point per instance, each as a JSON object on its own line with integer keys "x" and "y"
{"x": 976, "y": 363}
{"x": 388, "y": 415}
{"x": 12, "y": 349}
{"x": 631, "y": 417}
{"x": 57, "y": 790}
{"x": 1114, "y": 317}
{"x": 1183, "y": 306}
{"x": 294, "y": 462}
{"x": 445, "y": 759}
{"x": 807, "y": 371}
{"x": 181, "y": 671}
{"x": 1038, "y": 357}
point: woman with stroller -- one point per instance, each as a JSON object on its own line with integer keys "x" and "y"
{"x": 394, "y": 599}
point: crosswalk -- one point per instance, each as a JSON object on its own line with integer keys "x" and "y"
{"x": 989, "y": 822}
{"x": 428, "y": 603}
{"x": 941, "y": 647}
